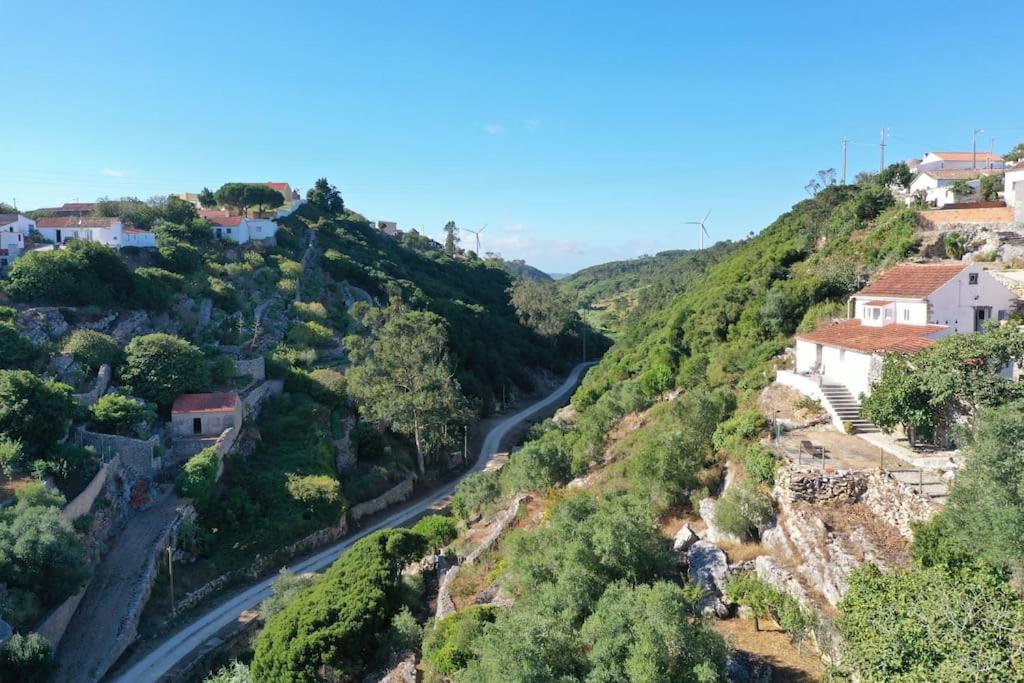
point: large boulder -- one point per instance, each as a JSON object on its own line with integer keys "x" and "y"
{"x": 685, "y": 538}
{"x": 40, "y": 325}
{"x": 743, "y": 667}
{"x": 709, "y": 569}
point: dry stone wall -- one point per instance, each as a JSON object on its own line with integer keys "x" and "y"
{"x": 395, "y": 494}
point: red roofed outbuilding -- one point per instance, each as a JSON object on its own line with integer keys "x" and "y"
{"x": 205, "y": 415}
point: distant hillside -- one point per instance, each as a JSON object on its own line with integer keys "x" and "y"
{"x": 520, "y": 268}
{"x": 616, "y": 288}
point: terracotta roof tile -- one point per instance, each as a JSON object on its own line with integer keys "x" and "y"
{"x": 913, "y": 279}
{"x": 75, "y": 222}
{"x": 893, "y": 338}
{"x": 221, "y": 218}
{"x": 967, "y": 156}
{"x": 205, "y": 403}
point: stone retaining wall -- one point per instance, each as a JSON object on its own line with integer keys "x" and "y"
{"x": 82, "y": 503}
{"x": 254, "y": 398}
{"x": 136, "y": 454}
{"x": 56, "y": 622}
{"x": 395, "y": 494}
{"x": 254, "y": 367}
{"x": 98, "y": 389}
{"x": 846, "y": 486}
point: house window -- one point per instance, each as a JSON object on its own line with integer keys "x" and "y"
{"x": 876, "y": 313}
{"x": 842, "y": 355}
{"x": 972, "y": 278}
{"x": 1002, "y": 315}
{"x": 229, "y": 231}
{"x": 906, "y": 314}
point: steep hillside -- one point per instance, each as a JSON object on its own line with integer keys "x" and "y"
{"x": 522, "y": 269}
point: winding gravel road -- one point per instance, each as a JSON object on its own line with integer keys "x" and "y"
{"x": 162, "y": 659}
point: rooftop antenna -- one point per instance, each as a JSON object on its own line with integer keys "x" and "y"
{"x": 703, "y": 230}
{"x": 477, "y": 233}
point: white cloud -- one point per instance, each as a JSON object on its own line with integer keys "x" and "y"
{"x": 494, "y": 128}
{"x": 112, "y": 173}
{"x": 531, "y": 124}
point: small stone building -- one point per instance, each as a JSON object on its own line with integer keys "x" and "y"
{"x": 205, "y": 415}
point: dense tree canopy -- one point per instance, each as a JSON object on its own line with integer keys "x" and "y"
{"x": 242, "y": 196}
{"x": 82, "y": 273}
{"x": 33, "y": 410}
{"x": 325, "y": 197}
{"x": 160, "y": 367}
{"x": 401, "y": 376}
{"x": 543, "y": 307}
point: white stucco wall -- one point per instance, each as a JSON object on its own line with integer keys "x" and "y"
{"x": 849, "y": 368}
{"x": 907, "y": 311}
{"x": 142, "y": 238}
{"x": 23, "y": 225}
{"x": 109, "y": 236}
{"x": 1013, "y": 192}
{"x": 954, "y": 303}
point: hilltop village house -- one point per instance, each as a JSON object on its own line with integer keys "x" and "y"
{"x": 903, "y": 311}
{"x": 936, "y": 161}
{"x": 205, "y": 415}
{"x": 240, "y": 229}
{"x": 1013, "y": 190}
{"x": 111, "y": 232}
{"x": 936, "y": 184}
{"x": 13, "y": 229}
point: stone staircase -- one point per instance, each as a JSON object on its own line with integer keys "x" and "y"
{"x": 841, "y": 403}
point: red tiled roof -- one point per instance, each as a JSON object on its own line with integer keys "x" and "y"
{"x": 75, "y": 222}
{"x": 894, "y": 338}
{"x": 877, "y": 302}
{"x": 913, "y": 279}
{"x": 205, "y": 403}
{"x": 134, "y": 230}
{"x": 283, "y": 188}
{"x": 221, "y": 218}
{"x": 967, "y": 156}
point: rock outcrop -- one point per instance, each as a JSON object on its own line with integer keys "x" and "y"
{"x": 713, "y": 533}
{"x": 709, "y": 569}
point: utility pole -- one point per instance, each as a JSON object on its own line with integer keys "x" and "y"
{"x": 881, "y": 147}
{"x": 465, "y": 444}
{"x": 845, "y": 143}
{"x": 170, "y": 573}
{"x": 974, "y": 147}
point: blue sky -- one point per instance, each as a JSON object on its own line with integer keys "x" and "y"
{"x": 578, "y": 132}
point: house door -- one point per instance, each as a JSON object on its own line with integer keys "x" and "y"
{"x": 817, "y": 358}
{"x": 197, "y": 425}
{"x": 980, "y": 316}
{"x": 57, "y": 241}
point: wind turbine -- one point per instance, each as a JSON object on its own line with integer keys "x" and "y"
{"x": 703, "y": 230}
{"x": 477, "y": 233}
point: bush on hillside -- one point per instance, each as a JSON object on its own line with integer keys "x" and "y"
{"x": 16, "y": 351}
{"x": 35, "y": 411}
{"x": 155, "y": 287}
{"x": 477, "y": 490}
{"x": 742, "y": 508}
{"x": 80, "y": 274}
{"x": 179, "y": 257}
{"x": 198, "y": 478}
{"x": 27, "y": 659}
{"x": 120, "y": 414}
{"x": 448, "y": 645}
{"x": 439, "y": 530}
{"x": 314, "y": 491}
{"x": 311, "y": 334}
{"x": 93, "y": 349}
{"x": 160, "y": 367}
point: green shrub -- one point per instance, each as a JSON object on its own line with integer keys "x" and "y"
{"x": 473, "y": 493}
{"x": 8, "y": 314}
{"x": 738, "y": 429}
{"x": 222, "y": 371}
{"x": 93, "y": 349}
{"x": 224, "y": 295}
{"x": 760, "y": 464}
{"x": 314, "y": 491}
{"x": 39, "y": 553}
{"x": 27, "y": 659}
{"x": 12, "y": 456}
{"x": 198, "y": 478}
{"x": 82, "y": 523}
{"x": 179, "y": 257}
{"x": 80, "y": 274}
{"x": 155, "y": 287}
{"x": 742, "y": 508}
{"x": 448, "y": 643}
{"x": 312, "y": 311}
{"x": 311, "y": 334}
{"x": 439, "y": 530}
{"x": 405, "y": 633}
{"x": 120, "y": 414}
{"x": 765, "y": 601}
{"x": 16, "y": 351}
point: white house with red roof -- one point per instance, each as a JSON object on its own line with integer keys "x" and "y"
{"x": 904, "y": 310}
{"x": 1013, "y": 191}
{"x": 936, "y": 184}
{"x": 934, "y": 161}
{"x": 109, "y": 231}
{"x": 240, "y": 229}
{"x": 14, "y": 228}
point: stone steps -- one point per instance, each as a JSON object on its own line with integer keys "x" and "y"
{"x": 847, "y": 408}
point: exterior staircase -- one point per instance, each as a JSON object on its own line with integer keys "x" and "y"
{"x": 841, "y": 403}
